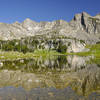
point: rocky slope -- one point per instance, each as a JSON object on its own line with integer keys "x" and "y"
{"x": 83, "y": 29}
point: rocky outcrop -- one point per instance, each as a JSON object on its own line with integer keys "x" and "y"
{"x": 86, "y": 26}
{"x": 77, "y": 46}
{"x": 85, "y": 22}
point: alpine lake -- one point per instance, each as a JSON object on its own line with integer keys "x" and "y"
{"x": 62, "y": 77}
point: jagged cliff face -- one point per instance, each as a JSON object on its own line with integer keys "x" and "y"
{"x": 83, "y": 29}
{"x": 86, "y": 26}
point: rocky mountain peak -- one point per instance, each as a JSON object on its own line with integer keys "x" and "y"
{"x": 60, "y": 22}
{"x": 16, "y": 23}
{"x": 29, "y": 21}
{"x": 29, "y": 24}
{"x": 83, "y": 26}
{"x": 85, "y": 14}
{"x": 97, "y": 16}
{"x": 78, "y": 16}
{"x": 85, "y": 22}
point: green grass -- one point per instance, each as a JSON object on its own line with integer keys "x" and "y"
{"x": 46, "y": 52}
{"x": 11, "y": 55}
{"x": 80, "y": 53}
{"x": 94, "y": 50}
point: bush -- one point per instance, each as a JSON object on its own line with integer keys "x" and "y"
{"x": 62, "y": 48}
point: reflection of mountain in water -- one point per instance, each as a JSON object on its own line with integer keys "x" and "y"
{"x": 57, "y": 72}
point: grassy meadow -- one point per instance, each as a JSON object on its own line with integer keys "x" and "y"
{"x": 94, "y": 50}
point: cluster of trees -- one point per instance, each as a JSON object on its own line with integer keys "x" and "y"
{"x": 15, "y": 45}
{"x": 30, "y": 44}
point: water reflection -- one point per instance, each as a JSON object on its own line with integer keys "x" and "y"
{"x": 62, "y": 73}
{"x": 11, "y": 93}
{"x": 55, "y": 63}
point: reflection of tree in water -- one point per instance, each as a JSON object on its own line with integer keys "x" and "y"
{"x": 32, "y": 65}
{"x": 55, "y": 63}
{"x": 62, "y": 60}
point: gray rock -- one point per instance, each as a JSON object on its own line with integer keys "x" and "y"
{"x": 77, "y": 47}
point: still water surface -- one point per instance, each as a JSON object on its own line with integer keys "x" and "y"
{"x": 51, "y": 78}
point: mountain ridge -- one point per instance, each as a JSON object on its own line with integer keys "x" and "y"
{"x": 82, "y": 26}
{"x": 83, "y": 29}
